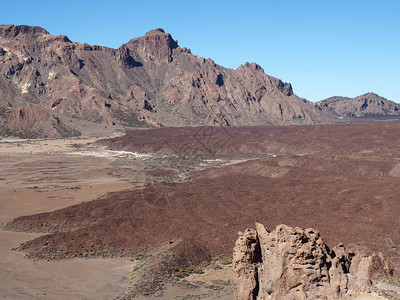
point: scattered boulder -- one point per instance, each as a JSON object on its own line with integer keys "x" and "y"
{"x": 292, "y": 263}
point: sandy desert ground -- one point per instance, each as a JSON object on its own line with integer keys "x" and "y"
{"x": 40, "y": 176}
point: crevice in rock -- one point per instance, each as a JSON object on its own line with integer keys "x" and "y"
{"x": 257, "y": 287}
{"x": 257, "y": 252}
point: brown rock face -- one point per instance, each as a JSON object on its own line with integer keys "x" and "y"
{"x": 155, "y": 43}
{"x": 32, "y": 121}
{"x": 149, "y": 81}
{"x": 13, "y": 31}
{"x": 291, "y": 263}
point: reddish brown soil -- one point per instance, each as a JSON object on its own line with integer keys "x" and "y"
{"x": 340, "y": 179}
{"x": 234, "y": 141}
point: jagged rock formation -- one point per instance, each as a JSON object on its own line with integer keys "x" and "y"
{"x": 291, "y": 263}
{"x": 367, "y": 104}
{"x": 149, "y": 81}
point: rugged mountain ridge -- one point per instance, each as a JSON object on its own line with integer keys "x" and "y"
{"x": 366, "y": 104}
{"x": 149, "y": 81}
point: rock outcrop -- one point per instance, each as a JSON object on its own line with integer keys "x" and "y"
{"x": 31, "y": 121}
{"x": 367, "y": 104}
{"x": 149, "y": 81}
{"x": 292, "y": 263}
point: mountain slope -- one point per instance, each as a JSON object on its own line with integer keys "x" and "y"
{"x": 149, "y": 81}
{"x": 367, "y": 104}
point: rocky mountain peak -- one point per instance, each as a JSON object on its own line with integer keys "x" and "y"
{"x": 155, "y": 31}
{"x": 251, "y": 66}
{"x": 370, "y": 94}
{"x": 366, "y": 104}
{"x": 9, "y": 31}
{"x": 156, "y": 43}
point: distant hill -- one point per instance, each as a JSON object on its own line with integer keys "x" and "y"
{"x": 367, "y": 104}
{"x": 53, "y": 87}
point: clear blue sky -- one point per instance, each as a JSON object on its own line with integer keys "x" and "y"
{"x": 324, "y": 48}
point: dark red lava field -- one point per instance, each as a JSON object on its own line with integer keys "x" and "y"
{"x": 340, "y": 179}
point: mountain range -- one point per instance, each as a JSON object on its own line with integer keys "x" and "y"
{"x": 53, "y": 87}
{"x": 367, "y": 104}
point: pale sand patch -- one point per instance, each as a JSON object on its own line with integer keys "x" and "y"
{"x": 19, "y": 146}
{"x": 40, "y": 175}
{"x": 36, "y": 176}
{"x": 16, "y": 201}
{"x": 22, "y": 278}
{"x": 13, "y": 145}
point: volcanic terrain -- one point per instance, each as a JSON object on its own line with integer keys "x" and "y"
{"x": 341, "y": 179}
{"x": 167, "y": 199}
{"x": 53, "y": 87}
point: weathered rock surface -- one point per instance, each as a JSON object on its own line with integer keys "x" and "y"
{"x": 292, "y": 263}
{"x": 31, "y": 121}
{"x": 367, "y": 104}
{"x": 149, "y": 81}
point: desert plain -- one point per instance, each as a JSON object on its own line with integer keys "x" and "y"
{"x": 156, "y": 212}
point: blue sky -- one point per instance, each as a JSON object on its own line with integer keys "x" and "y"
{"x": 324, "y": 48}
